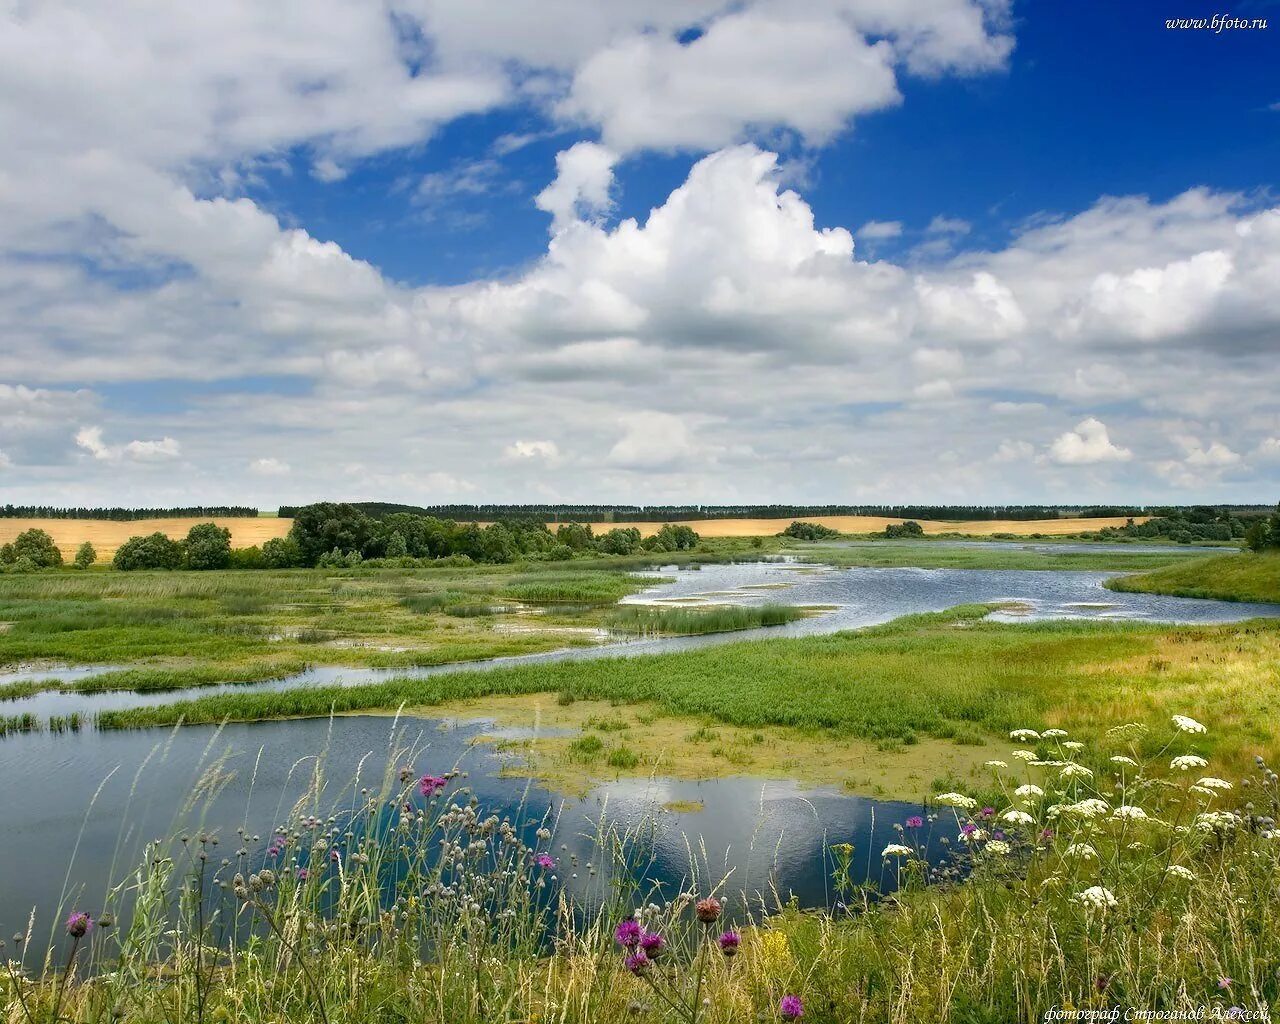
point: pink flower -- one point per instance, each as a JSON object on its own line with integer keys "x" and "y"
{"x": 652, "y": 944}
{"x": 729, "y": 943}
{"x": 791, "y": 1008}
{"x": 79, "y": 924}
{"x": 302, "y": 874}
{"x": 628, "y": 933}
{"x": 637, "y": 962}
{"x": 708, "y": 910}
{"x": 430, "y": 785}
{"x": 545, "y": 862}
{"x": 1225, "y": 982}
{"x": 915, "y": 821}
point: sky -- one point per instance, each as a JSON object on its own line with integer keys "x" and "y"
{"x": 668, "y": 251}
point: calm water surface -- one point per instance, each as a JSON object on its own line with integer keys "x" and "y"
{"x": 77, "y": 807}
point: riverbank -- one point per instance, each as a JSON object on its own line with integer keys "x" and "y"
{"x": 1245, "y": 577}
{"x": 951, "y": 676}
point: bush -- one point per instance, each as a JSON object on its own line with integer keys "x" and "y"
{"x": 39, "y": 547}
{"x": 281, "y": 553}
{"x": 85, "y": 555}
{"x": 208, "y": 546}
{"x": 246, "y": 558}
{"x": 809, "y": 531}
{"x": 155, "y": 551}
{"x": 899, "y": 531}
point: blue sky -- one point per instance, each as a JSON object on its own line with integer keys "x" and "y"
{"x": 940, "y": 250}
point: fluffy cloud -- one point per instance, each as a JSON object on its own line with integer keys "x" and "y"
{"x": 532, "y": 451}
{"x": 268, "y": 466}
{"x": 90, "y": 440}
{"x": 584, "y": 176}
{"x": 1089, "y": 443}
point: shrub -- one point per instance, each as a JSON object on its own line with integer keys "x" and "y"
{"x": 155, "y": 551}
{"x": 39, "y": 547}
{"x": 809, "y": 531}
{"x": 899, "y": 531}
{"x": 85, "y": 555}
{"x": 281, "y": 553}
{"x": 208, "y": 546}
{"x": 246, "y": 558}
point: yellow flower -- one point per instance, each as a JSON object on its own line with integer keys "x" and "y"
{"x": 775, "y": 954}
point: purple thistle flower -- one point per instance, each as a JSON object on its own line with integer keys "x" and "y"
{"x": 637, "y": 962}
{"x": 430, "y": 785}
{"x": 652, "y": 944}
{"x": 791, "y": 1008}
{"x": 968, "y": 828}
{"x": 988, "y": 812}
{"x": 79, "y": 924}
{"x": 1047, "y": 834}
{"x": 729, "y": 943}
{"x": 915, "y": 821}
{"x": 628, "y": 933}
{"x": 546, "y": 862}
{"x": 302, "y": 874}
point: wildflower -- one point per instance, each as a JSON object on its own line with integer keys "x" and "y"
{"x": 1212, "y": 783}
{"x": 957, "y": 800}
{"x": 708, "y": 910}
{"x": 971, "y": 833}
{"x": 1178, "y": 871}
{"x": 1071, "y": 770}
{"x": 1096, "y": 898}
{"x": 1128, "y": 762}
{"x": 628, "y": 933}
{"x": 1130, "y": 812}
{"x": 430, "y": 785}
{"x": 1072, "y": 745}
{"x": 1201, "y": 791}
{"x": 546, "y": 862}
{"x": 1216, "y": 821}
{"x": 1184, "y": 724}
{"x": 1051, "y": 734}
{"x": 791, "y": 1008}
{"x": 652, "y": 944}
{"x": 729, "y": 943}
{"x": 79, "y": 924}
{"x": 302, "y": 874}
{"x": 1225, "y": 982}
{"x": 1024, "y": 755}
{"x": 637, "y": 963}
{"x": 896, "y": 850}
{"x": 1091, "y": 807}
{"x": 1185, "y": 762}
{"x": 1016, "y": 817}
{"x": 1024, "y": 735}
{"x": 1046, "y": 835}
{"x": 1081, "y": 851}
{"x": 915, "y": 821}
{"x": 988, "y": 812}
{"x": 334, "y": 856}
{"x": 997, "y": 764}
{"x": 999, "y": 847}
{"x": 1028, "y": 790}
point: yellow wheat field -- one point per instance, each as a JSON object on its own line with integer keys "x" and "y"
{"x": 107, "y": 535}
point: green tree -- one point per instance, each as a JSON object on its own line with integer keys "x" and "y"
{"x": 39, "y": 547}
{"x": 576, "y": 536}
{"x": 155, "y": 551}
{"x": 621, "y": 541}
{"x": 281, "y": 553}
{"x": 85, "y": 555}
{"x": 397, "y": 546}
{"x": 321, "y": 528}
{"x": 208, "y": 546}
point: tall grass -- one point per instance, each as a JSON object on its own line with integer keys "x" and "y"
{"x": 1243, "y": 577}
{"x": 647, "y": 619}
{"x": 1118, "y": 875}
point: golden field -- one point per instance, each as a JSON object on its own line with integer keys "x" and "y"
{"x": 107, "y": 535}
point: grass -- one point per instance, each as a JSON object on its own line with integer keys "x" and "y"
{"x": 1246, "y": 577}
{"x": 647, "y": 619}
{"x": 181, "y": 629}
{"x": 935, "y": 554}
{"x": 950, "y": 676}
{"x": 357, "y": 917}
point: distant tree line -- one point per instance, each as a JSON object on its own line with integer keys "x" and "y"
{"x": 1188, "y": 525}
{"x": 125, "y": 514}
{"x": 673, "y": 513}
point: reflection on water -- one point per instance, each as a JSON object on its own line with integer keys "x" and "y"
{"x": 79, "y": 809}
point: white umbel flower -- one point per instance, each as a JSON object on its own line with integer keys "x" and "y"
{"x": 896, "y": 850}
{"x": 1071, "y": 770}
{"x": 997, "y": 764}
{"x": 1016, "y": 817}
{"x": 1096, "y": 898}
{"x": 1051, "y": 734}
{"x": 1029, "y": 789}
{"x": 956, "y": 800}
{"x": 1128, "y": 762}
{"x": 1130, "y": 812}
{"x": 1184, "y": 724}
{"x": 1178, "y": 871}
{"x": 1024, "y": 735}
{"x": 999, "y": 847}
{"x": 1081, "y": 851}
{"x": 1186, "y": 762}
{"x": 1024, "y": 755}
{"x": 1209, "y": 782}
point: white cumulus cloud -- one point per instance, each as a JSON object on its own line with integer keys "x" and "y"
{"x": 1088, "y": 443}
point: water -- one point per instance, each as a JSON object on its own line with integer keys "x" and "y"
{"x": 855, "y": 597}
{"x": 768, "y": 835}
{"x": 57, "y": 855}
